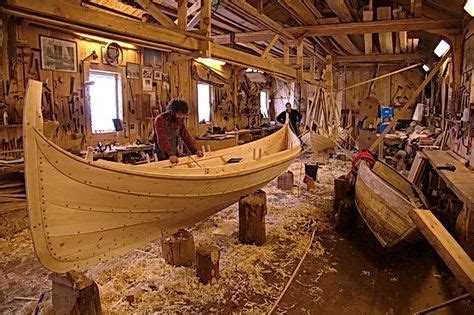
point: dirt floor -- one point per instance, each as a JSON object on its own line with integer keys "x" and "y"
{"x": 342, "y": 274}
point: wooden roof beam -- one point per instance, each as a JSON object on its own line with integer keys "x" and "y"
{"x": 246, "y": 37}
{"x": 155, "y": 12}
{"x": 413, "y": 24}
{"x": 73, "y": 17}
{"x": 382, "y": 58}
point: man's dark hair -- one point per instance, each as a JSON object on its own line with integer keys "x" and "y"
{"x": 178, "y": 106}
{"x": 288, "y": 103}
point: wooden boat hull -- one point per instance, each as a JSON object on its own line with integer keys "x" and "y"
{"x": 320, "y": 143}
{"x": 85, "y": 212}
{"x": 385, "y": 207}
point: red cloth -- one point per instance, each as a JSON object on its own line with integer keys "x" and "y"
{"x": 165, "y": 121}
{"x": 363, "y": 155}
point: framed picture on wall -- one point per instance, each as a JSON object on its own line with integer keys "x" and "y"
{"x": 157, "y": 75}
{"x": 147, "y": 77}
{"x": 132, "y": 70}
{"x": 58, "y": 54}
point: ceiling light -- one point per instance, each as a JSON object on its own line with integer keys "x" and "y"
{"x": 210, "y": 61}
{"x": 442, "y": 48}
{"x": 426, "y": 68}
{"x": 469, "y": 7}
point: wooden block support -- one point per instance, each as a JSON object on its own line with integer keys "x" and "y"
{"x": 252, "y": 211}
{"x": 178, "y": 249}
{"x": 74, "y": 293}
{"x": 207, "y": 264}
{"x": 285, "y": 181}
{"x": 343, "y": 189}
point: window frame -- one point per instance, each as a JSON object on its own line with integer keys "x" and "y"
{"x": 211, "y": 98}
{"x": 267, "y": 103}
{"x": 118, "y": 97}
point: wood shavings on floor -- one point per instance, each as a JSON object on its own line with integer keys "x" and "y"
{"x": 251, "y": 277}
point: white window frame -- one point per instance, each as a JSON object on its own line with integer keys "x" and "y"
{"x": 265, "y": 106}
{"x": 199, "y": 105}
{"x": 118, "y": 98}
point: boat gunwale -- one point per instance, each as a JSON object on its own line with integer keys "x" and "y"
{"x": 286, "y": 155}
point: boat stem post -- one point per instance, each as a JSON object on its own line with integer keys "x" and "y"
{"x": 74, "y": 293}
{"x": 252, "y": 211}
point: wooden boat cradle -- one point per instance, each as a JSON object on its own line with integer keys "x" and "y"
{"x": 83, "y": 212}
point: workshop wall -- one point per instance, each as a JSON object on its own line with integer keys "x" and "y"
{"x": 66, "y": 96}
{"x": 461, "y": 127}
{"x": 392, "y": 91}
{"x": 235, "y": 95}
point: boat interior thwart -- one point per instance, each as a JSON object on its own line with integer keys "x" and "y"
{"x": 384, "y": 199}
{"x": 83, "y": 212}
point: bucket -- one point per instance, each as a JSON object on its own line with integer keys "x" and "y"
{"x": 311, "y": 170}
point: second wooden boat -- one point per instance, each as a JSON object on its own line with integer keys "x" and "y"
{"x": 384, "y": 199}
{"x": 321, "y": 142}
{"x": 82, "y": 212}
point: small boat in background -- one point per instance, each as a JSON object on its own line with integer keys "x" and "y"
{"x": 83, "y": 212}
{"x": 321, "y": 142}
{"x": 384, "y": 199}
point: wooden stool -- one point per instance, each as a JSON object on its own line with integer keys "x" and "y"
{"x": 178, "y": 249}
{"x": 74, "y": 293}
{"x": 252, "y": 211}
{"x": 207, "y": 264}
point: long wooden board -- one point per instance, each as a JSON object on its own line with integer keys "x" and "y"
{"x": 450, "y": 251}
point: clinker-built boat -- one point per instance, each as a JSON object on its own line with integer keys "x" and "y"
{"x": 83, "y": 212}
{"x": 384, "y": 199}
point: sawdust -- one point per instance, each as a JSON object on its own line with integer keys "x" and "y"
{"x": 251, "y": 277}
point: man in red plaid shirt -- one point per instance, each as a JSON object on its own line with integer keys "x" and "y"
{"x": 168, "y": 128}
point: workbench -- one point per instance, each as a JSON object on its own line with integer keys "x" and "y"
{"x": 216, "y": 143}
{"x": 460, "y": 181}
{"x": 250, "y": 134}
{"x": 117, "y": 153}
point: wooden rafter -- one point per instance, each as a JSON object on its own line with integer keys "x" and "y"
{"x": 246, "y": 37}
{"x": 413, "y": 24}
{"x": 270, "y": 46}
{"x": 382, "y": 58}
{"x": 182, "y": 14}
{"x": 155, "y": 12}
{"x": 73, "y": 17}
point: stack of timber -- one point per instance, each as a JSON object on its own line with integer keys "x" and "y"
{"x": 384, "y": 199}
{"x": 73, "y": 228}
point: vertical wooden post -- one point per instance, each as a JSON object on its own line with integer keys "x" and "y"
{"x": 299, "y": 62}
{"x": 252, "y": 211}
{"x": 205, "y": 26}
{"x": 74, "y": 293}
{"x": 207, "y": 264}
{"x": 178, "y": 249}
{"x": 182, "y": 14}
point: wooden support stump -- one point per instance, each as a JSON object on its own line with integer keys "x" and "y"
{"x": 178, "y": 249}
{"x": 342, "y": 190}
{"x": 74, "y": 293}
{"x": 311, "y": 170}
{"x": 285, "y": 181}
{"x": 207, "y": 264}
{"x": 252, "y": 211}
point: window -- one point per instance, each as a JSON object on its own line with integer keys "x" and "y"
{"x": 264, "y": 103}
{"x": 105, "y": 100}
{"x": 204, "y": 102}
